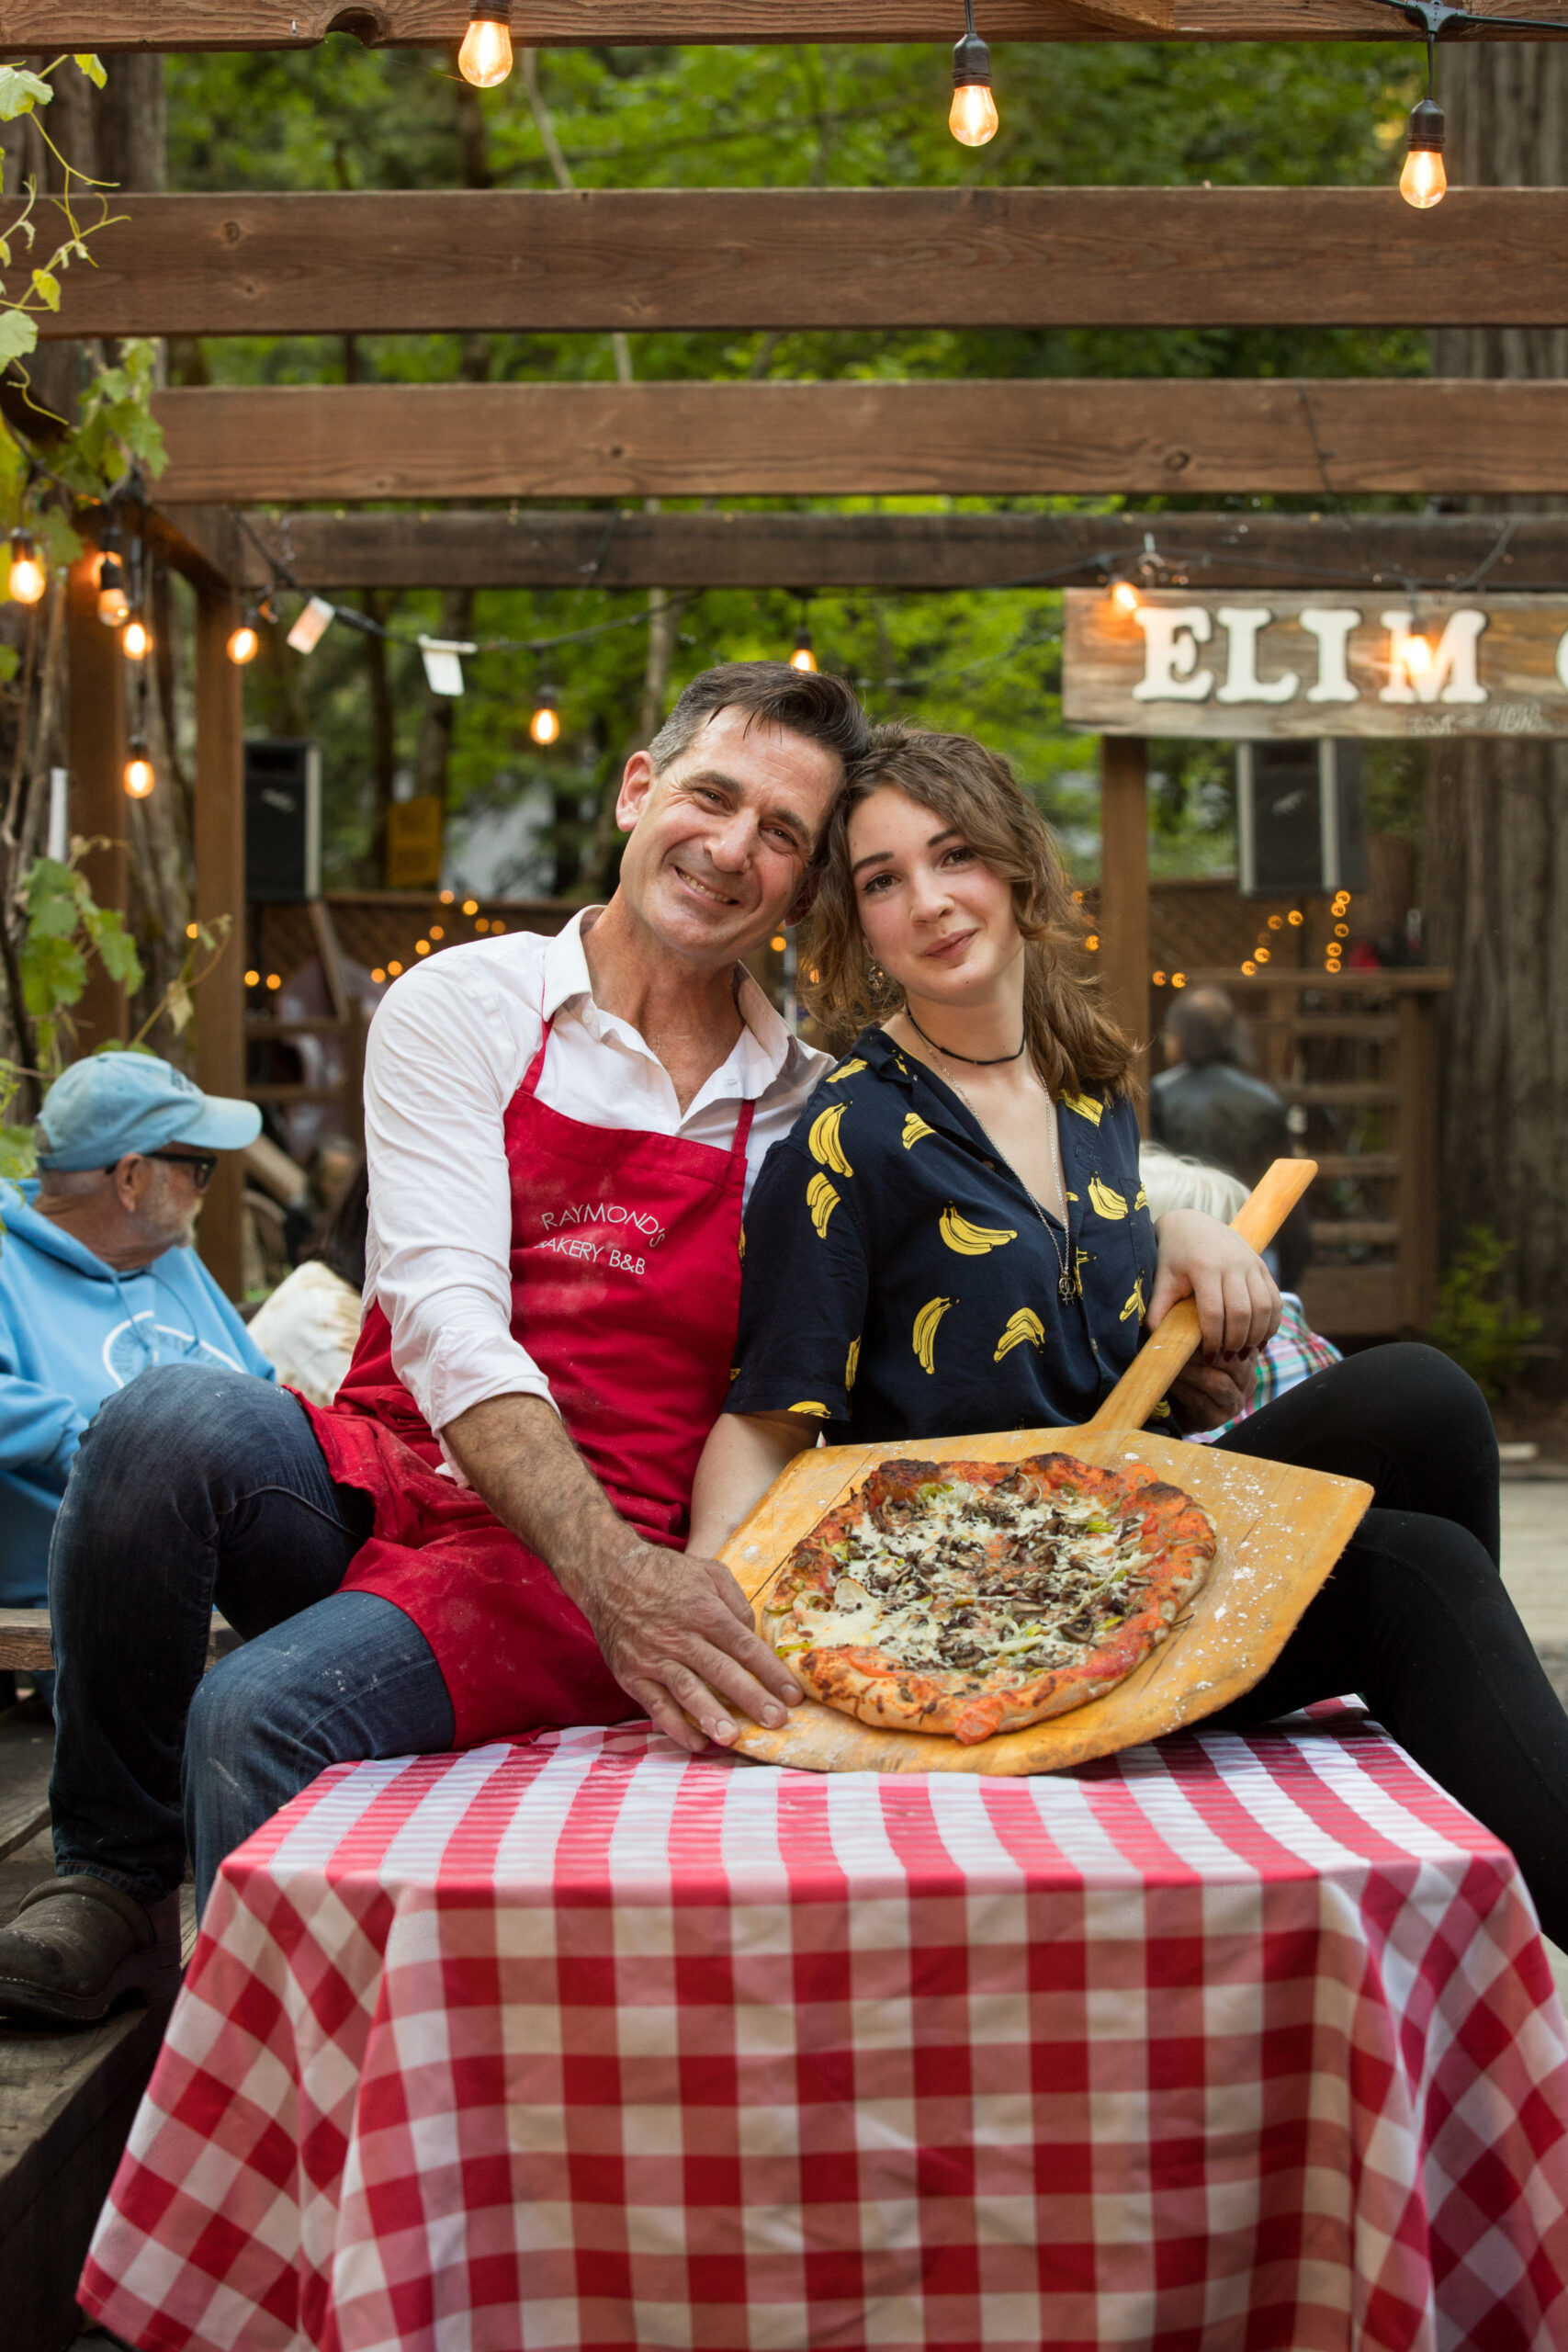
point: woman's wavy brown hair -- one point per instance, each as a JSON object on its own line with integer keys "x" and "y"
{"x": 1077, "y": 1047}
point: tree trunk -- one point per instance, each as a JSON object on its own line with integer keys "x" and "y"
{"x": 1496, "y": 877}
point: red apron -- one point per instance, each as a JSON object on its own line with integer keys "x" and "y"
{"x": 625, "y": 1291}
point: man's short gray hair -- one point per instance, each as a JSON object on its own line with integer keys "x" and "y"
{"x": 807, "y": 703}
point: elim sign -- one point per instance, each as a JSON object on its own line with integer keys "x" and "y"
{"x": 1377, "y": 662}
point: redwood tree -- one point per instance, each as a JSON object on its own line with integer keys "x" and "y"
{"x": 1496, "y": 863}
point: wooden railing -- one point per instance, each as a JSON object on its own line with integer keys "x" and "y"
{"x": 1355, "y": 1053}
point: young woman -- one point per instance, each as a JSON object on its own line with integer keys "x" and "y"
{"x": 954, "y": 1239}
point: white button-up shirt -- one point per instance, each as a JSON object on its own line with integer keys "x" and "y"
{"x": 448, "y": 1049}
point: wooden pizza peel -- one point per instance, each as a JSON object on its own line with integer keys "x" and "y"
{"x": 1280, "y": 1533}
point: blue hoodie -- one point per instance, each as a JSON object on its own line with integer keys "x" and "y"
{"x": 71, "y": 1332}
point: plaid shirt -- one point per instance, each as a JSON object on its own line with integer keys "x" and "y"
{"x": 1292, "y": 1356}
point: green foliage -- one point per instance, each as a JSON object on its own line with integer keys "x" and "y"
{"x": 65, "y": 923}
{"x": 1477, "y": 1323}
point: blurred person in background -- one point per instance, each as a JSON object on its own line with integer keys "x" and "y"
{"x": 1296, "y": 1351}
{"x": 100, "y": 1278}
{"x": 1206, "y": 1105}
{"x": 310, "y": 1326}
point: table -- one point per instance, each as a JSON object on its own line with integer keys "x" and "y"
{"x": 1223, "y": 2045}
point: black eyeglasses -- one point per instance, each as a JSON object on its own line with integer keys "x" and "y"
{"x": 200, "y": 1163}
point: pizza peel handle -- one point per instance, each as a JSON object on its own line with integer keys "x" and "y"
{"x": 1165, "y": 1352}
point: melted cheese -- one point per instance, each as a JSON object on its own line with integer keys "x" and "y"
{"x": 1094, "y": 1556}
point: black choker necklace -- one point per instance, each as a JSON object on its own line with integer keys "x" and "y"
{"x": 973, "y": 1059}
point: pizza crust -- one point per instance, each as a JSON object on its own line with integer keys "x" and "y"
{"x": 971, "y": 1597}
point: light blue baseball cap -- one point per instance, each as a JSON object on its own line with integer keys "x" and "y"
{"x": 112, "y": 1103}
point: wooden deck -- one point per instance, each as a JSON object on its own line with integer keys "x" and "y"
{"x": 67, "y": 2097}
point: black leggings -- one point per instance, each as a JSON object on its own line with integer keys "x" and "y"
{"x": 1416, "y": 1617}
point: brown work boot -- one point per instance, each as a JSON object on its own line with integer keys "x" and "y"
{"x": 78, "y": 1946}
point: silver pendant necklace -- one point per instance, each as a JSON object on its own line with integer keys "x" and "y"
{"x": 1066, "y": 1290}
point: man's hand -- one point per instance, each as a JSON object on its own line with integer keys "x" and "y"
{"x": 1204, "y": 1396}
{"x": 676, "y": 1631}
{"x": 1238, "y": 1304}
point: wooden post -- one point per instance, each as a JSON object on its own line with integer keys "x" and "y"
{"x": 96, "y": 752}
{"x": 221, "y": 890}
{"x": 1416, "y": 1187}
{"x": 1124, "y": 889}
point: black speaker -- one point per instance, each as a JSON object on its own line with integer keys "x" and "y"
{"x": 1300, "y": 816}
{"x": 283, "y": 820}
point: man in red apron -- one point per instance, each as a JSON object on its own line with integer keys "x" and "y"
{"x": 482, "y": 1535}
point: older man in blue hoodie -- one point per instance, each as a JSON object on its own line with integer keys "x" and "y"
{"x": 98, "y": 1278}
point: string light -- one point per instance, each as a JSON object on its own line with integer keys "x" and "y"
{"x": 27, "y": 579}
{"x": 1248, "y": 966}
{"x": 253, "y": 980}
{"x": 1124, "y": 597}
{"x": 114, "y": 607}
{"x": 136, "y": 638}
{"x": 804, "y": 657}
{"x": 470, "y": 905}
{"x": 139, "y": 774}
{"x": 244, "y": 642}
{"x": 380, "y": 975}
{"x": 485, "y": 58}
{"x": 972, "y": 119}
{"x": 1178, "y": 980}
{"x": 545, "y": 725}
{"x": 394, "y": 971}
{"x": 1424, "y": 182}
{"x": 1295, "y": 918}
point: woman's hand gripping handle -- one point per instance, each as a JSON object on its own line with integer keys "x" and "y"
{"x": 1167, "y": 1349}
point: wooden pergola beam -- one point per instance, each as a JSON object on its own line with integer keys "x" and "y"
{"x": 258, "y": 445}
{"x": 110, "y": 25}
{"x": 515, "y": 261}
{"x": 492, "y": 548}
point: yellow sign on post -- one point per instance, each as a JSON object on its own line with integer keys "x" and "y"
{"x": 413, "y": 843}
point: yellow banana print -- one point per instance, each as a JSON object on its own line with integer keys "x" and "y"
{"x": 853, "y": 1365}
{"x": 926, "y": 1321}
{"x": 973, "y": 1240}
{"x": 821, "y": 1411}
{"x": 845, "y": 1069}
{"x": 824, "y": 1140}
{"x": 1106, "y": 1199}
{"x": 821, "y": 1200}
{"x": 1088, "y": 1107}
{"x": 1081, "y": 1260}
{"x": 1142, "y": 1199}
{"x": 914, "y": 1128}
{"x": 1135, "y": 1304}
{"x": 1019, "y": 1330}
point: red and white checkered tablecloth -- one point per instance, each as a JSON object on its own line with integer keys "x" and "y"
{"x": 1226, "y": 2045}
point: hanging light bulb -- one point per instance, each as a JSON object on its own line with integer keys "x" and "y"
{"x": 139, "y": 775}
{"x": 545, "y": 725}
{"x": 136, "y": 638}
{"x": 804, "y": 657}
{"x": 485, "y": 57}
{"x": 1124, "y": 597}
{"x": 114, "y": 607}
{"x": 1424, "y": 182}
{"x": 27, "y": 578}
{"x": 244, "y": 642}
{"x": 973, "y": 119}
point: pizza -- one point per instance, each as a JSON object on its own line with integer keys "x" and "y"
{"x": 969, "y": 1597}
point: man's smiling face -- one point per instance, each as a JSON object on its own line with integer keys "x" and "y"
{"x": 722, "y": 837}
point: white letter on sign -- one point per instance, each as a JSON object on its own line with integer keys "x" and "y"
{"x": 1245, "y": 623}
{"x": 1172, "y": 634}
{"x": 1331, "y": 625}
{"x": 1420, "y": 671}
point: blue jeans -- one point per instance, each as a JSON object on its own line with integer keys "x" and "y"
{"x": 196, "y": 1488}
